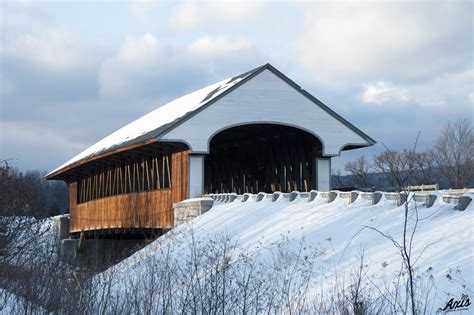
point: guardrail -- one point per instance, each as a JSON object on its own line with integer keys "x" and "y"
{"x": 399, "y": 198}
{"x": 460, "y": 202}
{"x": 433, "y": 187}
{"x": 427, "y": 200}
{"x": 374, "y": 197}
{"x": 453, "y": 197}
{"x": 351, "y": 196}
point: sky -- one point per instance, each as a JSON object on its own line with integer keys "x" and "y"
{"x": 72, "y": 72}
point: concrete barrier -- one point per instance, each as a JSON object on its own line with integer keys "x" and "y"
{"x": 427, "y": 199}
{"x": 293, "y": 195}
{"x": 61, "y": 227}
{"x": 260, "y": 196}
{"x": 284, "y": 196}
{"x": 269, "y": 197}
{"x": 242, "y": 198}
{"x": 329, "y": 195}
{"x": 230, "y": 197}
{"x": 276, "y": 195}
{"x": 399, "y": 198}
{"x": 460, "y": 202}
{"x": 303, "y": 195}
{"x": 374, "y": 197}
{"x": 312, "y": 195}
{"x": 351, "y": 196}
{"x": 189, "y": 209}
{"x": 250, "y": 197}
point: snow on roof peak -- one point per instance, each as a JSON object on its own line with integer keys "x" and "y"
{"x": 158, "y": 119}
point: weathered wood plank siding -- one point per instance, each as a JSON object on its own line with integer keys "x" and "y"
{"x": 146, "y": 209}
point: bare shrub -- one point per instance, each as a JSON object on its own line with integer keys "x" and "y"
{"x": 188, "y": 275}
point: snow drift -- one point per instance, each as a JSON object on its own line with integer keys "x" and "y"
{"x": 339, "y": 234}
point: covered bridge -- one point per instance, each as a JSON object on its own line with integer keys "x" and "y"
{"x": 255, "y": 132}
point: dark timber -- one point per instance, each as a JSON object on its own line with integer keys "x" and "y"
{"x": 261, "y": 158}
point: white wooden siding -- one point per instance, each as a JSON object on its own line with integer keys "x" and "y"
{"x": 196, "y": 175}
{"x": 265, "y": 98}
{"x": 323, "y": 173}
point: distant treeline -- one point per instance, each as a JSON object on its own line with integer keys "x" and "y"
{"x": 29, "y": 194}
{"x": 449, "y": 162}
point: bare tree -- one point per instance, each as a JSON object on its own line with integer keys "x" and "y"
{"x": 454, "y": 151}
{"x": 425, "y": 168}
{"x": 336, "y": 179}
{"x": 400, "y": 168}
{"x": 359, "y": 169}
{"x": 29, "y": 194}
{"x": 397, "y": 166}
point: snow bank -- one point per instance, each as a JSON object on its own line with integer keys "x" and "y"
{"x": 28, "y": 236}
{"x": 11, "y": 303}
{"x": 443, "y": 243}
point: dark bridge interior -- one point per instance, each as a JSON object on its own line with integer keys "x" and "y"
{"x": 261, "y": 158}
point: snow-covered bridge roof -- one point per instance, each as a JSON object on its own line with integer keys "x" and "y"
{"x": 164, "y": 119}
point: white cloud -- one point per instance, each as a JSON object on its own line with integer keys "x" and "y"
{"x": 135, "y": 60}
{"x": 185, "y": 16}
{"x": 236, "y": 11}
{"x": 346, "y": 43}
{"x": 48, "y": 50}
{"x": 208, "y": 46}
{"x": 142, "y": 9}
{"x": 449, "y": 89}
{"x": 384, "y": 92}
{"x": 191, "y": 15}
{"x": 446, "y": 90}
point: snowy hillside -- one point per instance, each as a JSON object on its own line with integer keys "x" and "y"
{"x": 337, "y": 234}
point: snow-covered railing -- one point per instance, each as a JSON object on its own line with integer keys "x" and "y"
{"x": 399, "y": 198}
{"x": 460, "y": 202}
{"x": 285, "y": 196}
{"x": 351, "y": 196}
{"x": 433, "y": 187}
{"x": 374, "y": 197}
{"x": 261, "y": 196}
{"x": 427, "y": 199}
{"x": 242, "y": 198}
{"x": 424, "y": 197}
{"x": 456, "y": 192}
{"x": 329, "y": 195}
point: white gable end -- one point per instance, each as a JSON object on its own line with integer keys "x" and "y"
{"x": 265, "y": 98}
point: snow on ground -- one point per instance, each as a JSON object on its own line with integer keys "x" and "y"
{"x": 11, "y": 303}
{"x": 443, "y": 243}
{"x": 27, "y": 237}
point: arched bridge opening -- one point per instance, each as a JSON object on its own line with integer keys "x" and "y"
{"x": 261, "y": 158}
